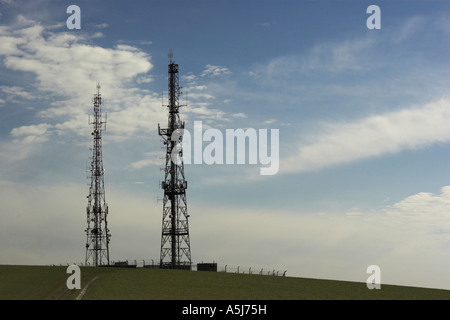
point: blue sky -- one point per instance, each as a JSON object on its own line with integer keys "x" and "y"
{"x": 362, "y": 114}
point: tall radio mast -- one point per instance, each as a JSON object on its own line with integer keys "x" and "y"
{"x": 175, "y": 243}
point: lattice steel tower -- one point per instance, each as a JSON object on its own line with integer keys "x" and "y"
{"x": 175, "y": 243}
{"x": 97, "y": 245}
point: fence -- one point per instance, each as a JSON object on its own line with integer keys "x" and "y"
{"x": 154, "y": 264}
{"x": 250, "y": 270}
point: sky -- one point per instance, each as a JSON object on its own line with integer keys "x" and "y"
{"x": 362, "y": 116}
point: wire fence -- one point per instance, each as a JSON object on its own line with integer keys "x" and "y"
{"x": 154, "y": 264}
{"x": 250, "y": 270}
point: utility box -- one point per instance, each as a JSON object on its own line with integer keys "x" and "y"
{"x": 124, "y": 264}
{"x": 207, "y": 267}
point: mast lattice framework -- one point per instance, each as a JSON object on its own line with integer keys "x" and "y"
{"x": 97, "y": 232}
{"x": 175, "y": 242}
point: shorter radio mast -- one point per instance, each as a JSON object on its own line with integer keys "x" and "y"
{"x": 97, "y": 245}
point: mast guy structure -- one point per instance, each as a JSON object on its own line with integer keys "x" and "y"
{"x": 97, "y": 232}
{"x": 175, "y": 243}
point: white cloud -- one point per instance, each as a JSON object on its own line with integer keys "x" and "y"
{"x": 374, "y": 136}
{"x": 68, "y": 66}
{"x": 31, "y": 134}
{"x": 189, "y": 77}
{"x": 426, "y": 211}
{"x": 199, "y": 88}
{"x": 101, "y": 25}
{"x": 146, "y": 162}
{"x": 270, "y": 121}
{"x": 9, "y": 44}
{"x": 144, "y": 80}
{"x": 15, "y": 91}
{"x": 211, "y": 70}
{"x": 239, "y": 115}
{"x": 200, "y": 111}
{"x": 97, "y": 35}
{"x": 59, "y": 25}
{"x": 143, "y": 114}
{"x": 201, "y": 96}
{"x": 350, "y": 55}
{"x": 65, "y": 64}
{"x": 152, "y": 158}
{"x": 202, "y": 91}
{"x": 265, "y": 24}
{"x": 13, "y": 153}
{"x": 409, "y": 27}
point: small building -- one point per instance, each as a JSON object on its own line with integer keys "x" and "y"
{"x": 124, "y": 264}
{"x": 207, "y": 267}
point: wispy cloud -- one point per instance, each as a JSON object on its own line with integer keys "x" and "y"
{"x": 31, "y": 134}
{"x": 101, "y": 25}
{"x": 15, "y": 91}
{"x": 332, "y": 57}
{"x": 410, "y": 27}
{"x": 201, "y": 96}
{"x": 211, "y": 70}
{"x": 265, "y": 24}
{"x": 152, "y": 158}
{"x": 374, "y": 136}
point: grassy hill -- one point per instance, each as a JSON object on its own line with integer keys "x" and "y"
{"x": 49, "y": 283}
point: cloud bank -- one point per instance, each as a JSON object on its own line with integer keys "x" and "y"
{"x": 67, "y": 66}
{"x": 409, "y": 239}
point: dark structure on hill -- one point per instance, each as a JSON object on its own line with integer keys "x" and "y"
{"x": 97, "y": 232}
{"x": 175, "y": 243}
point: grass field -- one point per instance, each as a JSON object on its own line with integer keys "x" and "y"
{"x": 49, "y": 283}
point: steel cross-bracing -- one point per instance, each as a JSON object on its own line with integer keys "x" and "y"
{"x": 97, "y": 232}
{"x": 175, "y": 242}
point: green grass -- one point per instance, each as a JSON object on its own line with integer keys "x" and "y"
{"x": 39, "y": 282}
{"x": 45, "y": 282}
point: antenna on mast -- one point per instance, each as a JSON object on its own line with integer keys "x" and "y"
{"x": 170, "y": 56}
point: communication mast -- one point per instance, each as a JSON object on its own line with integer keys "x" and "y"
{"x": 175, "y": 243}
{"x": 97, "y": 245}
